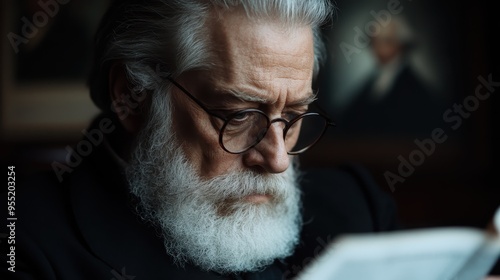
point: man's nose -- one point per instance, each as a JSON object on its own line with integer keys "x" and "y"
{"x": 271, "y": 152}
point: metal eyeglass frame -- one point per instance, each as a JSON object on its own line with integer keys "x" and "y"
{"x": 288, "y": 124}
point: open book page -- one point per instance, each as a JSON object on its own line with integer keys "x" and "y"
{"x": 480, "y": 262}
{"x": 424, "y": 254}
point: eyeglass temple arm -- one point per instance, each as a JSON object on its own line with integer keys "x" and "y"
{"x": 202, "y": 106}
{"x": 329, "y": 121}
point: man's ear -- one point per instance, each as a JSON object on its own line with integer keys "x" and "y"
{"x": 124, "y": 102}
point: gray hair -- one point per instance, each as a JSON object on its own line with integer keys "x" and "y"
{"x": 143, "y": 35}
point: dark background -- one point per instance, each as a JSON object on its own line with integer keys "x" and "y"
{"x": 455, "y": 186}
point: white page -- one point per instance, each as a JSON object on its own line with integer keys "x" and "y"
{"x": 429, "y": 254}
{"x": 482, "y": 261}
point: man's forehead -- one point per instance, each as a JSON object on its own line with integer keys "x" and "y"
{"x": 242, "y": 44}
{"x": 254, "y": 57}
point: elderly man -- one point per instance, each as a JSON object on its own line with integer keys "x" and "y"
{"x": 206, "y": 104}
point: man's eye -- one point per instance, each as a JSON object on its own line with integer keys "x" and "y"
{"x": 240, "y": 117}
{"x": 240, "y": 122}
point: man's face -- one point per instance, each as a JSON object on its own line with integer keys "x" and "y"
{"x": 261, "y": 65}
{"x": 386, "y": 45}
{"x": 221, "y": 211}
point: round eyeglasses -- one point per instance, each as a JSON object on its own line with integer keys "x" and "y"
{"x": 243, "y": 130}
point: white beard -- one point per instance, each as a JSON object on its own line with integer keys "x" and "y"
{"x": 206, "y": 221}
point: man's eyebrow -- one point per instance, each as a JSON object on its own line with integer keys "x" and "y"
{"x": 245, "y": 96}
{"x": 310, "y": 98}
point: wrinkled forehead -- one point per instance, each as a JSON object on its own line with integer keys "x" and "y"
{"x": 256, "y": 46}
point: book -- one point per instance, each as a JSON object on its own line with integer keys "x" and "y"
{"x": 458, "y": 253}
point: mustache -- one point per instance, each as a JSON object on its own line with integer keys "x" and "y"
{"x": 239, "y": 184}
